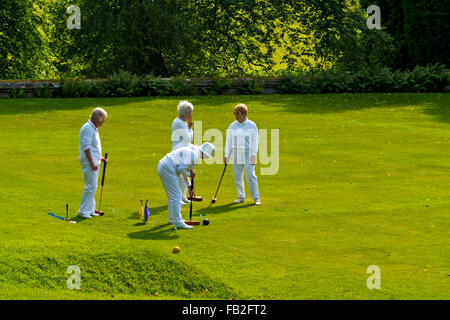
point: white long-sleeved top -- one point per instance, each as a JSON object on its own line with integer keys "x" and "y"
{"x": 184, "y": 159}
{"x": 181, "y": 134}
{"x": 90, "y": 139}
{"x": 242, "y": 139}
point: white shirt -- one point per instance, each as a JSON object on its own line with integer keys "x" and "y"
{"x": 181, "y": 134}
{"x": 90, "y": 139}
{"x": 242, "y": 140}
{"x": 185, "y": 159}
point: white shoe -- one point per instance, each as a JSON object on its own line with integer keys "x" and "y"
{"x": 185, "y": 200}
{"x": 182, "y": 225}
{"x": 257, "y": 202}
{"x": 238, "y": 200}
{"x": 94, "y": 214}
{"x": 83, "y": 216}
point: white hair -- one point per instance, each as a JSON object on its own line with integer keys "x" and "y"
{"x": 184, "y": 107}
{"x": 97, "y": 114}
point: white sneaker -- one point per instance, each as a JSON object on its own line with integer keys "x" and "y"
{"x": 182, "y": 225}
{"x": 238, "y": 200}
{"x": 257, "y": 202}
{"x": 83, "y": 216}
{"x": 94, "y": 214}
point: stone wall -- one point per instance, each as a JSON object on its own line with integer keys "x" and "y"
{"x": 270, "y": 86}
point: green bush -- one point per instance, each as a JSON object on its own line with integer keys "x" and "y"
{"x": 124, "y": 84}
{"x": 296, "y": 82}
{"x": 100, "y": 89}
{"x": 152, "y": 86}
{"x": 249, "y": 86}
{"x": 432, "y": 78}
{"x": 221, "y": 83}
{"x": 376, "y": 78}
{"x": 15, "y": 94}
{"x": 182, "y": 87}
{"x": 76, "y": 89}
{"x": 42, "y": 92}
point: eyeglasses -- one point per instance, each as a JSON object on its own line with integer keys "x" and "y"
{"x": 237, "y": 113}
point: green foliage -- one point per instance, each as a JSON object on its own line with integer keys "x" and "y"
{"x": 419, "y": 28}
{"x": 221, "y": 83}
{"x": 432, "y": 78}
{"x": 182, "y": 87}
{"x": 15, "y": 93}
{"x": 155, "y": 86}
{"x": 124, "y": 84}
{"x": 251, "y": 86}
{"x": 21, "y": 44}
{"x": 77, "y": 89}
{"x": 42, "y": 92}
{"x": 296, "y": 82}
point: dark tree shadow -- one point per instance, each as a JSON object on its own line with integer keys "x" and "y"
{"x": 36, "y": 105}
{"x": 161, "y": 232}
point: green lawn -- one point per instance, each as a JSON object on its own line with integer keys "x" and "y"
{"x": 363, "y": 180}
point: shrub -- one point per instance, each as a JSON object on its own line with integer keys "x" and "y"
{"x": 124, "y": 84}
{"x": 152, "y": 86}
{"x": 15, "y": 94}
{"x": 249, "y": 86}
{"x": 182, "y": 87}
{"x": 432, "y": 78}
{"x": 221, "y": 83}
{"x": 42, "y": 92}
{"x": 76, "y": 88}
{"x": 296, "y": 82}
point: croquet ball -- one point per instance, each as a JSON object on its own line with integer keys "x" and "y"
{"x": 205, "y": 222}
{"x": 176, "y": 249}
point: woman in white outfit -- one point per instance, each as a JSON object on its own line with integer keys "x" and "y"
{"x": 182, "y": 136}
{"x": 90, "y": 158}
{"x": 180, "y": 162}
{"x": 242, "y": 143}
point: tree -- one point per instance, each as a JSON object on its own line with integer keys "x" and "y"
{"x": 419, "y": 28}
{"x": 20, "y": 41}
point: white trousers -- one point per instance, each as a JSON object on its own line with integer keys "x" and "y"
{"x": 87, "y": 205}
{"x": 183, "y": 186}
{"x": 168, "y": 175}
{"x": 252, "y": 181}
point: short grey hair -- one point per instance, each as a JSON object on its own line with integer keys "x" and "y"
{"x": 184, "y": 107}
{"x": 97, "y": 114}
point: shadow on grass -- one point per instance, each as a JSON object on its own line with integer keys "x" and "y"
{"x": 212, "y": 209}
{"x": 36, "y": 105}
{"x": 437, "y": 103}
{"x": 153, "y": 211}
{"x": 161, "y": 232}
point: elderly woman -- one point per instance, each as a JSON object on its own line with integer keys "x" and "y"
{"x": 242, "y": 141}
{"x": 90, "y": 158}
{"x": 180, "y": 162}
{"x": 182, "y": 136}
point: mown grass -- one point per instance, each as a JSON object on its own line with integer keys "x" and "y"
{"x": 362, "y": 180}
